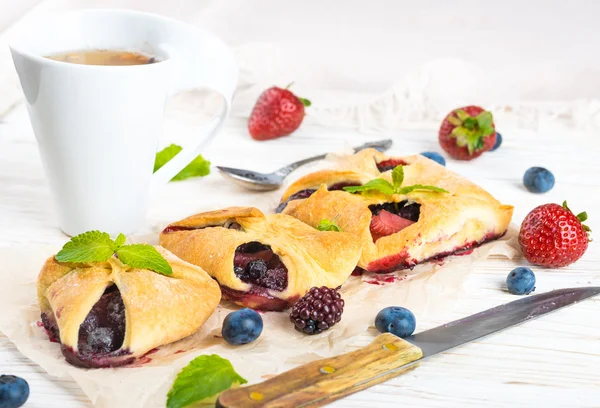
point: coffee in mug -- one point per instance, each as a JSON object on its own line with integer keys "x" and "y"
{"x": 104, "y": 57}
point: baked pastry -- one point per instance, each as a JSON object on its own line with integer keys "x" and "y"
{"x": 262, "y": 262}
{"x": 107, "y": 314}
{"x": 398, "y": 231}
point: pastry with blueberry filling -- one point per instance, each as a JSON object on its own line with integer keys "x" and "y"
{"x": 264, "y": 262}
{"x": 107, "y": 314}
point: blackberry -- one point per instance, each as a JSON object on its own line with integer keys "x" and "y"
{"x": 317, "y": 311}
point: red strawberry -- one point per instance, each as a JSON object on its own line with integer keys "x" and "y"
{"x": 553, "y": 236}
{"x": 390, "y": 164}
{"x": 385, "y": 223}
{"x": 467, "y": 132}
{"x": 278, "y": 112}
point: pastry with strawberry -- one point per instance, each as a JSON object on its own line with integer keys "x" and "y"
{"x": 277, "y": 112}
{"x": 552, "y": 236}
{"x": 466, "y": 133}
{"x": 405, "y": 210}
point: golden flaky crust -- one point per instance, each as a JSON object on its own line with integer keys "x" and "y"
{"x": 159, "y": 309}
{"x": 464, "y": 217}
{"x": 312, "y": 257}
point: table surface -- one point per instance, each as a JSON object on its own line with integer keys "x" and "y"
{"x": 550, "y": 362}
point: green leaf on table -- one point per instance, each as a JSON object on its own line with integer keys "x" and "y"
{"x": 144, "y": 256}
{"x": 91, "y": 246}
{"x": 202, "y": 380}
{"x": 199, "y": 167}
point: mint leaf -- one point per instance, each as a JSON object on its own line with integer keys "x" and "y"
{"x": 398, "y": 176}
{"x": 198, "y": 167}
{"x": 144, "y": 256}
{"x": 409, "y": 189}
{"x": 202, "y": 380}
{"x": 326, "y": 225}
{"x": 376, "y": 184}
{"x": 91, "y": 246}
{"x": 120, "y": 241}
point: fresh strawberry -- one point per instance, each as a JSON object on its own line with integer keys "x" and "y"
{"x": 553, "y": 236}
{"x": 467, "y": 132}
{"x": 385, "y": 223}
{"x": 278, "y": 112}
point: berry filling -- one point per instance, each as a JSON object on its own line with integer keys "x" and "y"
{"x": 390, "y": 218}
{"x": 402, "y": 260}
{"x": 390, "y": 164}
{"x": 256, "y": 264}
{"x": 100, "y": 335}
{"x": 302, "y": 194}
{"x": 229, "y": 225}
{"x": 103, "y": 330}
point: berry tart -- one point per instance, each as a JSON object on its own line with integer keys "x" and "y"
{"x": 404, "y": 210}
{"x": 262, "y": 262}
{"x": 107, "y": 314}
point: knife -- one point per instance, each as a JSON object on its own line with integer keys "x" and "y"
{"x": 324, "y": 381}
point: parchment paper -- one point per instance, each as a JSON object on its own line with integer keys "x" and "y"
{"x": 428, "y": 289}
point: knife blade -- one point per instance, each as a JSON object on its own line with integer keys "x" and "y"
{"x": 323, "y": 381}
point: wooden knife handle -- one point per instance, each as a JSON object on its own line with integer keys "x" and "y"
{"x": 321, "y": 382}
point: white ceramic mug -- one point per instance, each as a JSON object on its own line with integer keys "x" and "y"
{"x": 98, "y": 126}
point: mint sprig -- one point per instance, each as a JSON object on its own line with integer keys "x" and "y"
{"x": 388, "y": 188}
{"x": 326, "y": 225}
{"x": 202, "y": 380}
{"x": 199, "y": 167}
{"x": 96, "y": 246}
{"x": 91, "y": 246}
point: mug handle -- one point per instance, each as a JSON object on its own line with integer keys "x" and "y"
{"x": 200, "y": 61}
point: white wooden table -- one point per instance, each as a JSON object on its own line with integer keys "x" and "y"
{"x": 550, "y": 362}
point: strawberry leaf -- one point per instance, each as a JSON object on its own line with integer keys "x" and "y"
{"x": 454, "y": 120}
{"x": 305, "y": 102}
{"x": 485, "y": 120}
{"x": 582, "y": 216}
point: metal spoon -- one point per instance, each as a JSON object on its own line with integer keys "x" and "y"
{"x": 253, "y": 180}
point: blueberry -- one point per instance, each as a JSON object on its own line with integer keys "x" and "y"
{"x": 520, "y": 281}
{"x": 242, "y": 327}
{"x": 256, "y": 269}
{"x": 396, "y": 320}
{"x": 538, "y": 180}
{"x": 436, "y": 157}
{"x": 101, "y": 340}
{"x": 498, "y": 142}
{"x": 14, "y": 391}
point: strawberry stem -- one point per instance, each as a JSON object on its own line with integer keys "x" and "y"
{"x": 290, "y": 84}
{"x": 305, "y": 102}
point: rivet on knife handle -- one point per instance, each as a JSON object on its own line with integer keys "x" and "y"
{"x": 323, "y": 381}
